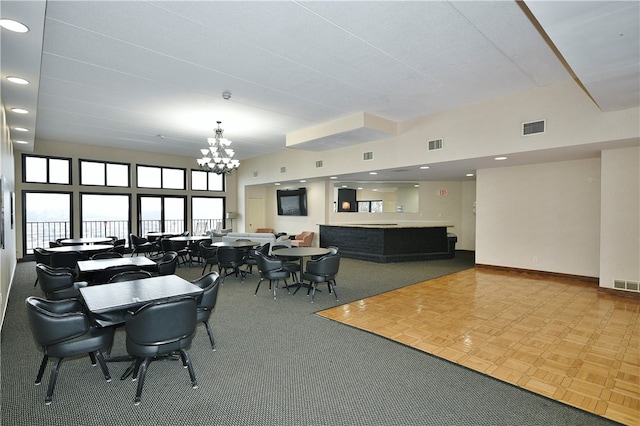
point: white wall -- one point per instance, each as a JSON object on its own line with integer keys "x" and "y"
{"x": 8, "y": 253}
{"x": 543, "y": 217}
{"x": 620, "y": 216}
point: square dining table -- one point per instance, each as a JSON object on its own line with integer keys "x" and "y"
{"x": 109, "y": 303}
{"x": 97, "y": 265}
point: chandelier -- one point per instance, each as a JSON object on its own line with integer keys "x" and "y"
{"x": 218, "y": 158}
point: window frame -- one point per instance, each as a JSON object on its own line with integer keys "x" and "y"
{"x": 208, "y": 173}
{"x": 106, "y": 173}
{"x": 162, "y": 185}
{"x": 48, "y": 172}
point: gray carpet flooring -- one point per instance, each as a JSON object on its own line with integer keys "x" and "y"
{"x": 277, "y": 363}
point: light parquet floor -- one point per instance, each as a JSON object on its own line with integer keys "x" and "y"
{"x": 556, "y": 337}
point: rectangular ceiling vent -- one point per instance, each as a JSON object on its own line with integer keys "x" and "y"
{"x": 283, "y": 169}
{"x": 367, "y": 156}
{"x": 255, "y": 174}
{"x": 319, "y": 164}
{"x": 434, "y": 144}
{"x": 533, "y": 127}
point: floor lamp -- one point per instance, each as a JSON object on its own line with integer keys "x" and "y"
{"x": 230, "y": 217}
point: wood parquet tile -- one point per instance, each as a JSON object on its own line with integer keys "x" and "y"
{"x": 556, "y": 337}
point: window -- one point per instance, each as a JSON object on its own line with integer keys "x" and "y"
{"x": 206, "y": 181}
{"x": 104, "y": 174}
{"x": 207, "y": 214}
{"x": 47, "y": 218}
{"x": 160, "y": 177}
{"x": 161, "y": 214}
{"x": 37, "y": 169}
{"x": 105, "y": 215}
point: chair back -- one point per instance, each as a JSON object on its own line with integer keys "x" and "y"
{"x": 168, "y": 263}
{"x": 52, "y": 322}
{"x": 68, "y": 259}
{"x": 327, "y": 266}
{"x": 229, "y": 256}
{"x": 166, "y": 245}
{"x": 130, "y": 276}
{"x": 161, "y": 327}
{"x": 106, "y": 255}
{"x": 266, "y": 264}
{"x": 106, "y": 274}
{"x": 207, "y": 251}
{"x": 53, "y": 279}
{"x": 210, "y": 284}
{"x": 42, "y": 256}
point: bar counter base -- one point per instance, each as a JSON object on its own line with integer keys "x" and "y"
{"x": 389, "y": 244}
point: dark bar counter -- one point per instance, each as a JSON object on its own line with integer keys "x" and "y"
{"x": 384, "y": 243}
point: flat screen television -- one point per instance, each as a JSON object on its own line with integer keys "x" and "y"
{"x": 292, "y": 202}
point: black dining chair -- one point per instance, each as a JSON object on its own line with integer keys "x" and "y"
{"x": 209, "y": 255}
{"x": 130, "y": 276}
{"x": 66, "y": 259}
{"x": 210, "y": 284}
{"x": 158, "y": 329}
{"x": 166, "y": 264}
{"x": 106, "y": 255}
{"x": 61, "y": 329}
{"x": 41, "y": 256}
{"x": 58, "y": 283}
{"x": 250, "y": 258}
{"x": 140, "y": 245}
{"x": 105, "y": 275}
{"x": 230, "y": 259}
{"x": 322, "y": 270}
{"x": 271, "y": 269}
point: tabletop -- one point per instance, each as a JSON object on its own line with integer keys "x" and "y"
{"x": 109, "y": 302}
{"x": 301, "y": 251}
{"x": 84, "y": 240}
{"x": 236, "y": 244}
{"x": 82, "y": 248}
{"x": 190, "y": 238}
{"x": 101, "y": 264}
{"x": 161, "y": 234}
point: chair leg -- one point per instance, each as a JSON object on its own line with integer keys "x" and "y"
{"x": 43, "y": 365}
{"x": 92, "y": 357}
{"x": 140, "y": 373}
{"x": 313, "y": 292}
{"x": 103, "y": 366}
{"x": 256, "y": 292}
{"x": 332, "y": 288}
{"x": 206, "y": 324}
{"x": 275, "y": 287}
{"x": 52, "y": 381}
{"x": 192, "y": 374}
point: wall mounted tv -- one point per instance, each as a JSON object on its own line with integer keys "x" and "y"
{"x": 292, "y": 202}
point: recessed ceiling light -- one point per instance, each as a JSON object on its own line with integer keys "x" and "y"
{"x": 416, "y": 186}
{"x": 373, "y": 173}
{"x": 17, "y": 80}
{"x": 360, "y": 188}
{"x": 344, "y": 186}
{"x": 500, "y": 158}
{"x": 21, "y": 142}
{"x": 20, "y": 129}
{"x": 277, "y": 184}
{"x": 19, "y": 111}
{"x": 302, "y": 181}
{"x": 469, "y": 174}
{"x": 15, "y": 26}
{"x": 424, "y": 167}
{"x": 333, "y": 177}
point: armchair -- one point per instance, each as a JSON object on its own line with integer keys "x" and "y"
{"x": 303, "y": 239}
{"x": 61, "y": 330}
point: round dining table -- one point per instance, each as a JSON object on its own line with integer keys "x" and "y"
{"x": 236, "y": 244}
{"x": 84, "y": 240}
{"x": 300, "y": 253}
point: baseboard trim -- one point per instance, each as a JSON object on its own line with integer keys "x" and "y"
{"x": 618, "y": 292}
{"x": 590, "y": 280}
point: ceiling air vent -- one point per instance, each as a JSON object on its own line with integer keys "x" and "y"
{"x": 533, "y": 127}
{"x": 434, "y": 144}
{"x": 367, "y": 156}
{"x": 255, "y": 174}
{"x": 283, "y": 169}
{"x": 318, "y": 164}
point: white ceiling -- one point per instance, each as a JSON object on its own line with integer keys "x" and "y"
{"x": 150, "y": 75}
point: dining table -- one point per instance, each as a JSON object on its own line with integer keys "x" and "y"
{"x": 236, "y": 244}
{"x": 97, "y": 265}
{"x": 83, "y": 248}
{"x": 84, "y": 240}
{"x": 109, "y": 303}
